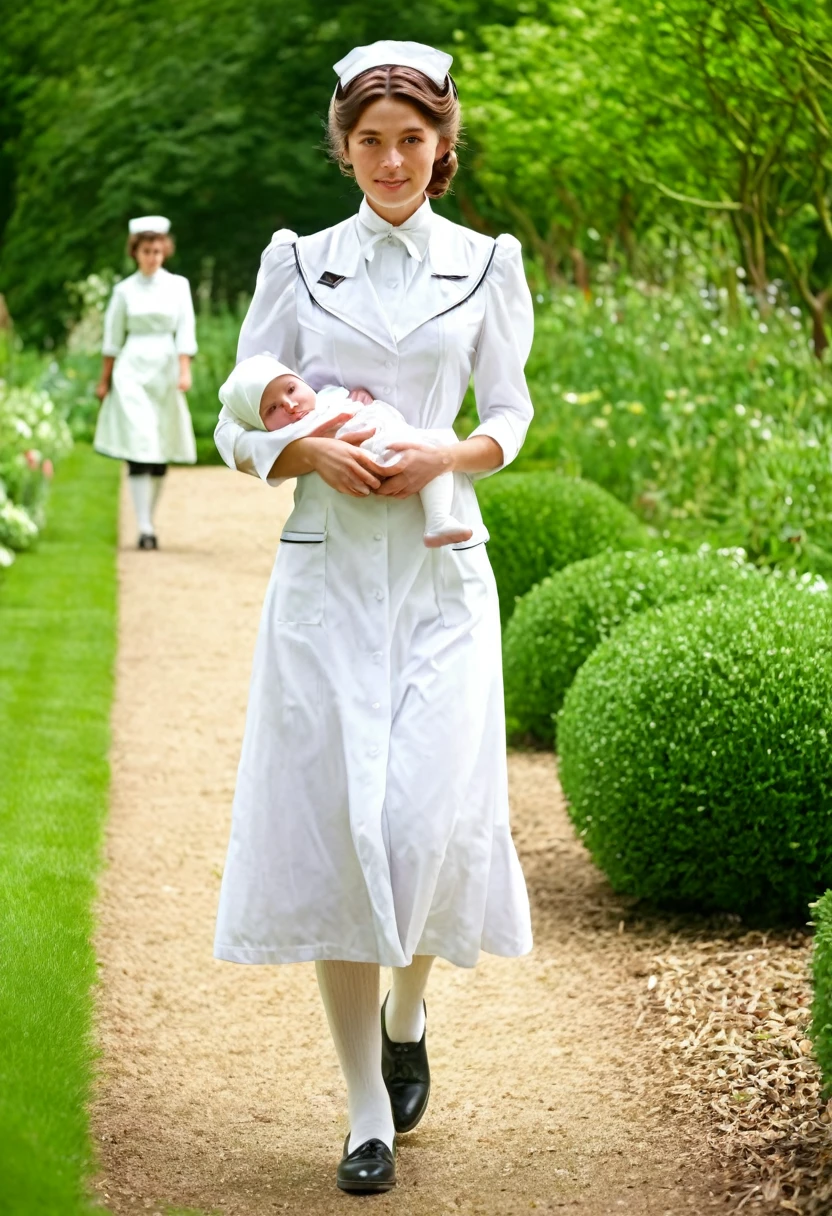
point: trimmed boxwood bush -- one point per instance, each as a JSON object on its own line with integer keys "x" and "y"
{"x": 540, "y": 522}
{"x": 557, "y": 625}
{"x": 696, "y": 753}
{"x": 821, "y": 1028}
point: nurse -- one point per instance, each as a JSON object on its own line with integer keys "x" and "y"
{"x": 370, "y": 821}
{"x": 149, "y": 341}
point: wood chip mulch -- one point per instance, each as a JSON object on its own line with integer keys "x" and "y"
{"x": 730, "y": 1015}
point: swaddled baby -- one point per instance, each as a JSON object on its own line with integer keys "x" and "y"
{"x": 264, "y": 395}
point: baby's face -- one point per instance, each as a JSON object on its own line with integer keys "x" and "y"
{"x": 285, "y": 399}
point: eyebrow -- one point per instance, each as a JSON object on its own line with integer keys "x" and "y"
{"x": 406, "y": 131}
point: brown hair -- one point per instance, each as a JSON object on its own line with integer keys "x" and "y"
{"x": 440, "y": 106}
{"x": 138, "y": 238}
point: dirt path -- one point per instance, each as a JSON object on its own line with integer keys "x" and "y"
{"x": 220, "y": 1091}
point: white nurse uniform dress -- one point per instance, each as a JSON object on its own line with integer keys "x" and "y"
{"x": 144, "y": 418}
{"x": 371, "y": 818}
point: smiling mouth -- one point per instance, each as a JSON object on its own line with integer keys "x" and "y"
{"x": 387, "y": 181}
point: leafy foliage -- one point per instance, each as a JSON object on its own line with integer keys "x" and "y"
{"x": 540, "y": 522}
{"x": 696, "y": 753}
{"x": 821, "y": 1028}
{"x": 703, "y": 409}
{"x": 557, "y": 625}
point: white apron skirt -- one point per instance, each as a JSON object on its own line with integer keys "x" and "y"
{"x": 144, "y": 417}
{"x": 370, "y": 818}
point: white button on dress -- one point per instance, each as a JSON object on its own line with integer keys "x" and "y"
{"x": 371, "y": 821}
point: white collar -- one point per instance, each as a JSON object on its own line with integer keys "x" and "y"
{"x": 414, "y": 233}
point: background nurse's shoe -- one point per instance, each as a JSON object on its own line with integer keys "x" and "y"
{"x": 147, "y": 541}
{"x": 406, "y": 1073}
{"x": 370, "y": 1167}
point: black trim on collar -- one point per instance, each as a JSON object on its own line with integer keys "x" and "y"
{"x": 444, "y": 312}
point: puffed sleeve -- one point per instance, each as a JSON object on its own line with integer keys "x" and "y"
{"x": 503, "y": 402}
{"x": 186, "y": 325}
{"x": 115, "y": 323}
{"x": 270, "y": 327}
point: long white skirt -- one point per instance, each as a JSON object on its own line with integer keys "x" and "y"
{"x": 144, "y": 417}
{"x": 370, "y": 818}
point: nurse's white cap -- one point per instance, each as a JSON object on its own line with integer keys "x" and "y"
{"x": 435, "y": 64}
{"x": 244, "y": 388}
{"x": 149, "y": 223}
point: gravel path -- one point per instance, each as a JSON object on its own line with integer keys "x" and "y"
{"x": 219, "y": 1090}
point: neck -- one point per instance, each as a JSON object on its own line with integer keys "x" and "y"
{"x": 395, "y": 215}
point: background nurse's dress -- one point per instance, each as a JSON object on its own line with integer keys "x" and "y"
{"x": 144, "y": 418}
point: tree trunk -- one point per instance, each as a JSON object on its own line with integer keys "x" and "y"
{"x": 581, "y": 271}
{"x": 820, "y": 340}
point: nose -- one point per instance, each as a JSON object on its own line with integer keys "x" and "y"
{"x": 393, "y": 158}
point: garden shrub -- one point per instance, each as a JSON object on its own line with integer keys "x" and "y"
{"x": 821, "y": 1028}
{"x": 557, "y": 625}
{"x": 696, "y": 753}
{"x": 540, "y": 522}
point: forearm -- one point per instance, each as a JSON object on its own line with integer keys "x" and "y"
{"x": 479, "y": 454}
{"x": 107, "y": 369}
{"x": 295, "y": 459}
{"x": 184, "y": 364}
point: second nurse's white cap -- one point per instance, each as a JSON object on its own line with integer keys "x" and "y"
{"x": 435, "y": 64}
{"x": 149, "y": 223}
{"x": 244, "y": 388}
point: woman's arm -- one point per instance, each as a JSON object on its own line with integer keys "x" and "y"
{"x": 115, "y": 330}
{"x": 420, "y": 463}
{"x": 341, "y": 463}
{"x": 503, "y": 402}
{"x": 103, "y": 386}
{"x": 184, "y": 383}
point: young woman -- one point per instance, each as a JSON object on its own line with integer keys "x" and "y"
{"x": 149, "y": 341}
{"x": 371, "y": 821}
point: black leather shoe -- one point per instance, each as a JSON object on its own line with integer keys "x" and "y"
{"x": 370, "y": 1167}
{"x": 147, "y": 541}
{"x": 404, "y": 1067}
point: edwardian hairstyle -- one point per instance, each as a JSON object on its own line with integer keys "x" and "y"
{"x": 440, "y": 106}
{"x": 138, "y": 238}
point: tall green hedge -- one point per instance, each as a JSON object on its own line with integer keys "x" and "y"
{"x": 540, "y": 522}
{"x": 557, "y": 625}
{"x": 696, "y": 753}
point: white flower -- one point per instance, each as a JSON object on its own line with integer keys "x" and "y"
{"x": 739, "y": 409}
{"x": 706, "y": 339}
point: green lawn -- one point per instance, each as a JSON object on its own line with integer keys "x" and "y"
{"x": 57, "y": 645}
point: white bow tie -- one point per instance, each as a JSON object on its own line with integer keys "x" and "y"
{"x": 368, "y": 247}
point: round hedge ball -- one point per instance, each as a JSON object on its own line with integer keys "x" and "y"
{"x": 540, "y": 522}
{"x": 696, "y": 753}
{"x": 557, "y": 625}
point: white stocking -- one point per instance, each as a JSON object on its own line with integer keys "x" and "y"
{"x": 155, "y": 491}
{"x": 351, "y": 999}
{"x": 142, "y": 494}
{"x": 404, "y": 1014}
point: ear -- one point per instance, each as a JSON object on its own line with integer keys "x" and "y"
{"x": 346, "y": 157}
{"x": 442, "y": 147}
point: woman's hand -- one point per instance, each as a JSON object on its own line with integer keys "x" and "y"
{"x": 361, "y": 395}
{"x": 102, "y": 389}
{"x": 185, "y": 381}
{"x": 326, "y": 430}
{"x": 419, "y": 464}
{"x": 343, "y": 465}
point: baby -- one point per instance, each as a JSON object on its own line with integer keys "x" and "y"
{"x": 264, "y": 395}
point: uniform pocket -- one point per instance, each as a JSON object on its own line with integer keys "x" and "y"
{"x": 461, "y": 587}
{"x": 300, "y": 578}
